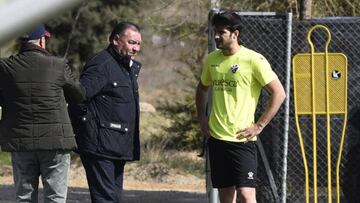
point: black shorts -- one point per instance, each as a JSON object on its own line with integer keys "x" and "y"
{"x": 232, "y": 163}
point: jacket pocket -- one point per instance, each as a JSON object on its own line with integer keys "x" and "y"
{"x": 115, "y": 139}
{"x": 121, "y": 91}
{"x": 120, "y": 127}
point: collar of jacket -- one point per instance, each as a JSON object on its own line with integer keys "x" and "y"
{"x": 25, "y": 47}
{"x": 123, "y": 60}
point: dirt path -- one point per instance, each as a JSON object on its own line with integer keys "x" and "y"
{"x": 81, "y": 195}
{"x": 174, "y": 188}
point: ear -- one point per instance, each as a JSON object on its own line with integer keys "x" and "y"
{"x": 236, "y": 33}
{"x": 116, "y": 39}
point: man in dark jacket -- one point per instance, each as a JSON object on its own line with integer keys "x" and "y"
{"x": 35, "y": 125}
{"x": 107, "y": 123}
{"x": 351, "y": 174}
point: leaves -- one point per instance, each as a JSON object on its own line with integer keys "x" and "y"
{"x": 174, "y": 46}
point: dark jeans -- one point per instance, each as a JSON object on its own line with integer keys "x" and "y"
{"x": 105, "y": 178}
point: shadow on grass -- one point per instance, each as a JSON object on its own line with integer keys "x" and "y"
{"x": 82, "y": 195}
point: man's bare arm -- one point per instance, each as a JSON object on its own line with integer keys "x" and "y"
{"x": 201, "y": 101}
{"x": 276, "y": 99}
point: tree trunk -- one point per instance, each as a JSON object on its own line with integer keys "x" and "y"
{"x": 305, "y": 9}
{"x": 214, "y": 3}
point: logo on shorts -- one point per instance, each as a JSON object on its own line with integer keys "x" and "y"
{"x": 250, "y": 175}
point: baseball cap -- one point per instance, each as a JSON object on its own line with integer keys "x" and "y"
{"x": 38, "y": 32}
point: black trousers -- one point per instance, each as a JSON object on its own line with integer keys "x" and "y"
{"x": 105, "y": 178}
{"x": 351, "y": 179}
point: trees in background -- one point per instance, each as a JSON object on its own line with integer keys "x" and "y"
{"x": 174, "y": 45}
{"x": 79, "y": 33}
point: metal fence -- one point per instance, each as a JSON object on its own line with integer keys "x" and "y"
{"x": 279, "y": 38}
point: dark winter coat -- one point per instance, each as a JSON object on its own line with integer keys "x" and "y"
{"x": 107, "y": 124}
{"x": 34, "y": 88}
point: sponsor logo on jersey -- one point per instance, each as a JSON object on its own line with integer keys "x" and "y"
{"x": 224, "y": 85}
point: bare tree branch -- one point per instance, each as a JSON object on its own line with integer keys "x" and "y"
{"x": 305, "y": 9}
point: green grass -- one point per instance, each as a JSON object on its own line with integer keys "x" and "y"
{"x": 187, "y": 162}
{"x": 5, "y": 158}
{"x": 151, "y": 124}
{"x": 153, "y": 151}
{"x": 184, "y": 162}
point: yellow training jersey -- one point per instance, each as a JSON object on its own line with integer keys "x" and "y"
{"x": 237, "y": 81}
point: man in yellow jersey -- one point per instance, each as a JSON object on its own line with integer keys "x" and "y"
{"x": 237, "y": 75}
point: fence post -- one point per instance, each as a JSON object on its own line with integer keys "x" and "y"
{"x": 213, "y": 193}
{"x": 287, "y": 107}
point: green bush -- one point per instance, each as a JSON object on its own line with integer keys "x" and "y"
{"x": 5, "y": 158}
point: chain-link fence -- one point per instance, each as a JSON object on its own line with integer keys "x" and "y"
{"x": 268, "y": 33}
{"x": 345, "y": 38}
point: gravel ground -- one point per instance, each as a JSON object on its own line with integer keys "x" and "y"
{"x": 81, "y": 195}
{"x": 143, "y": 184}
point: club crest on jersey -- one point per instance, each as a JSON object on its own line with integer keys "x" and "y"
{"x": 234, "y": 68}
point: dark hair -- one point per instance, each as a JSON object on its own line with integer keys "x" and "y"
{"x": 121, "y": 27}
{"x": 228, "y": 19}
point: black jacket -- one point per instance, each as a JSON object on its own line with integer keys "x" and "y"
{"x": 107, "y": 123}
{"x": 33, "y": 89}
